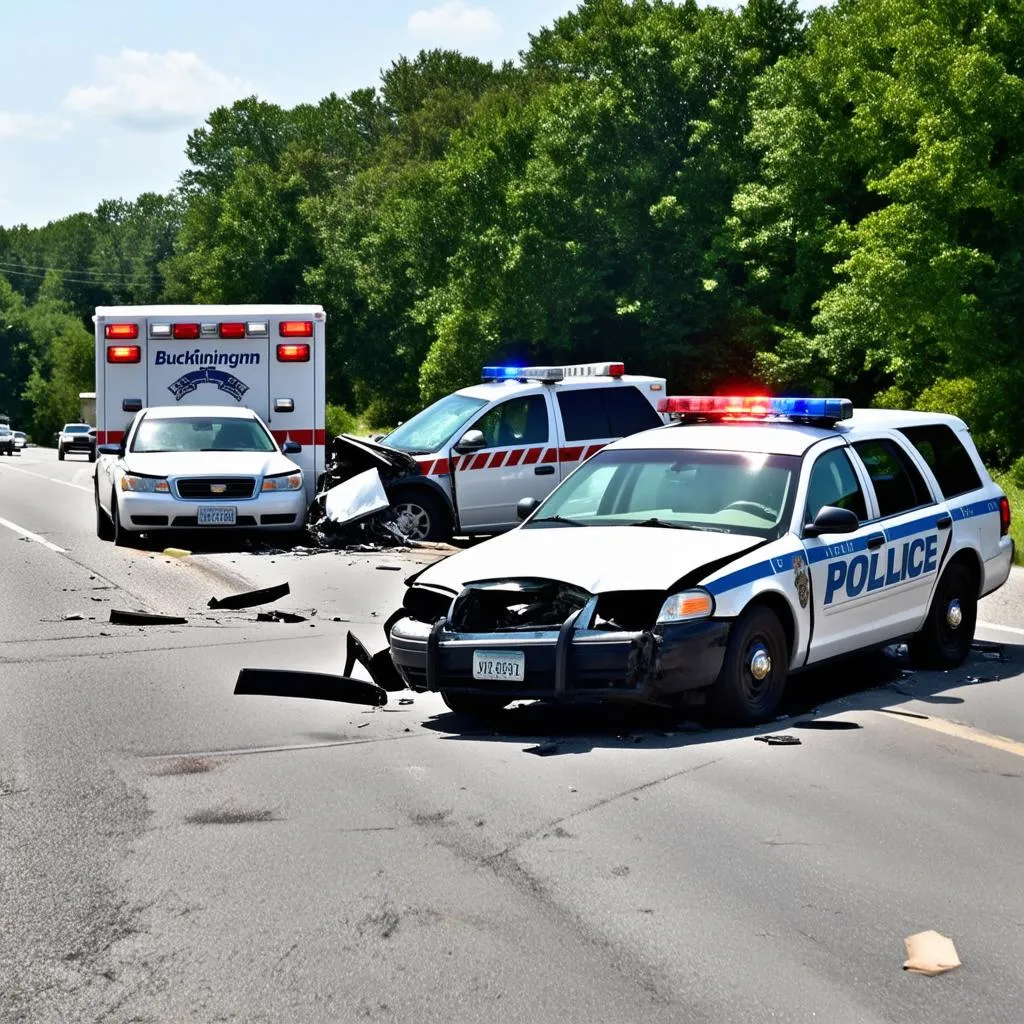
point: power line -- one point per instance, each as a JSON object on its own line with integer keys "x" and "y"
{"x": 76, "y": 280}
{"x": 79, "y": 271}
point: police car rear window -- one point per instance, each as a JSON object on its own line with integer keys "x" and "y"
{"x": 898, "y": 485}
{"x": 589, "y": 413}
{"x": 947, "y": 458}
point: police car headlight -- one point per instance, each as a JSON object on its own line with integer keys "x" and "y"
{"x": 687, "y": 606}
{"x": 283, "y": 482}
{"x": 145, "y": 484}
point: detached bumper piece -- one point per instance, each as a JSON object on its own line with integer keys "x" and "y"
{"x": 567, "y": 663}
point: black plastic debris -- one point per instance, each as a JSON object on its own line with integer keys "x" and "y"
{"x": 277, "y": 616}
{"x": 827, "y": 724}
{"x": 973, "y": 680}
{"x": 406, "y": 700}
{"x": 782, "y": 740}
{"x": 390, "y": 568}
{"x": 74, "y": 617}
{"x": 380, "y": 666}
{"x": 542, "y": 749}
{"x": 269, "y": 682}
{"x": 119, "y": 617}
{"x": 251, "y": 597}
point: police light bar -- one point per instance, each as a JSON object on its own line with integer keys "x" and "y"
{"x": 595, "y": 370}
{"x": 121, "y": 332}
{"x": 522, "y": 373}
{"x": 758, "y": 407}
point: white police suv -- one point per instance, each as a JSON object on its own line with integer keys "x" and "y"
{"x": 751, "y": 539}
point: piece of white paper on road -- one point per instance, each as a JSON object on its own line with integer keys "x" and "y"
{"x": 361, "y": 496}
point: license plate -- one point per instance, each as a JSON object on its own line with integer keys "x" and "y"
{"x": 499, "y": 666}
{"x": 214, "y": 515}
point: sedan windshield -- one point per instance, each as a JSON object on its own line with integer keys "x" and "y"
{"x": 725, "y": 492}
{"x": 429, "y": 429}
{"x": 201, "y": 434}
{"x": 77, "y": 428}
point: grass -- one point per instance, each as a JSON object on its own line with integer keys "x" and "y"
{"x": 1016, "y": 496}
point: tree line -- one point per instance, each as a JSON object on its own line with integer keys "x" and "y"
{"x": 829, "y": 203}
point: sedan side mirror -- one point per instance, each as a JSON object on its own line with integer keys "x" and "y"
{"x": 831, "y": 519}
{"x": 526, "y": 507}
{"x": 291, "y": 448}
{"x": 471, "y": 441}
{"x": 110, "y": 449}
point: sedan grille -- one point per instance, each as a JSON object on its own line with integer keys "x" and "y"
{"x": 213, "y": 487}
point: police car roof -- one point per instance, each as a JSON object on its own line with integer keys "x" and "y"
{"x": 490, "y": 390}
{"x": 206, "y": 412}
{"x": 778, "y": 437}
{"x": 206, "y": 310}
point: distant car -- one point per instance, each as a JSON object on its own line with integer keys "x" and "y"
{"x": 20, "y": 439}
{"x": 7, "y": 445}
{"x": 77, "y": 437}
{"x": 197, "y": 467}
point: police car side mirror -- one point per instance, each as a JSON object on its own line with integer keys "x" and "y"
{"x": 110, "y": 449}
{"x": 471, "y": 441}
{"x": 291, "y": 448}
{"x": 832, "y": 520}
{"x": 526, "y": 507}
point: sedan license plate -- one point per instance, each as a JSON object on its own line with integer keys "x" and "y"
{"x": 499, "y": 666}
{"x": 215, "y": 515}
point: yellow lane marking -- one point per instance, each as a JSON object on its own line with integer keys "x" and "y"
{"x": 962, "y": 732}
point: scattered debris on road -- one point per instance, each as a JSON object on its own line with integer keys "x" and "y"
{"x": 177, "y": 552}
{"x": 119, "y": 617}
{"x": 543, "y": 749}
{"x": 250, "y": 598}
{"x": 930, "y": 953}
{"x": 782, "y": 740}
{"x": 269, "y": 682}
{"x": 827, "y": 724}
{"x": 277, "y": 616}
{"x": 74, "y": 617}
{"x": 973, "y": 680}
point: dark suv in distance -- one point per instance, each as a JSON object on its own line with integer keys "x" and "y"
{"x": 77, "y": 437}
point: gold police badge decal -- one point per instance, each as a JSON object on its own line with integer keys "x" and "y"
{"x": 803, "y": 580}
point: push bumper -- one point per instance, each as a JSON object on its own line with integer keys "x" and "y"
{"x": 565, "y": 664}
{"x": 268, "y": 511}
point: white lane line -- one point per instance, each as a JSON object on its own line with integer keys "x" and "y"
{"x": 1005, "y": 629}
{"x": 31, "y": 536}
{"x": 52, "y": 480}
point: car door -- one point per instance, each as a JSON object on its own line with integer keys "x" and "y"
{"x": 519, "y": 460}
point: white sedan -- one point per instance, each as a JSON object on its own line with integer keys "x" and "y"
{"x": 197, "y": 467}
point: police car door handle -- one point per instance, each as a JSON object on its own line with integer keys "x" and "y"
{"x": 543, "y": 470}
{"x": 944, "y": 523}
{"x": 876, "y": 540}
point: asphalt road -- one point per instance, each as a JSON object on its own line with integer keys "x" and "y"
{"x": 172, "y": 853}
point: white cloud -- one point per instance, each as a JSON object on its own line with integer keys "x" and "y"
{"x": 154, "y": 91}
{"x": 455, "y": 21}
{"x": 31, "y": 126}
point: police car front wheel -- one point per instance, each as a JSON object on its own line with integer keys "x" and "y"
{"x": 945, "y": 640}
{"x": 754, "y": 672}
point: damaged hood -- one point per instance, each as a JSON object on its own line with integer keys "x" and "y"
{"x": 598, "y": 559}
{"x": 358, "y": 455}
{"x": 175, "y": 464}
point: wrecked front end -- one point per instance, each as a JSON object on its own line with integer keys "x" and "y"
{"x": 544, "y": 639}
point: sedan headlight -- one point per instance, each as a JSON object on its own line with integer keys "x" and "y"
{"x": 687, "y": 606}
{"x": 145, "y": 484}
{"x": 283, "y": 482}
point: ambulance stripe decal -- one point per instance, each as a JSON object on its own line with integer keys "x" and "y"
{"x": 784, "y": 563}
{"x": 503, "y": 458}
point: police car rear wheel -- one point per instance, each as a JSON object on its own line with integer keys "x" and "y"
{"x": 754, "y": 672}
{"x": 945, "y": 640}
{"x": 477, "y": 705}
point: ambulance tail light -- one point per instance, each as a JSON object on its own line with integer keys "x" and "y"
{"x": 757, "y": 407}
{"x": 121, "y": 332}
{"x": 1005, "y": 516}
{"x": 296, "y": 329}
{"x": 124, "y": 354}
{"x": 185, "y": 332}
{"x": 293, "y": 353}
{"x": 232, "y": 330}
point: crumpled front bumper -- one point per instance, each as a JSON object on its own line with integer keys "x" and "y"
{"x": 566, "y": 664}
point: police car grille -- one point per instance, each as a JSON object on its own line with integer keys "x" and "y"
{"x": 211, "y": 487}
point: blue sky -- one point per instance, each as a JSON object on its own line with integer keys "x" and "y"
{"x": 97, "y": 98}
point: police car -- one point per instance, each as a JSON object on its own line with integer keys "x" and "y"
{"x": 749, "y": 540}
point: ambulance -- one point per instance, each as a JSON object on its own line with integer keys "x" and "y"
{"x": 270, "y": 359}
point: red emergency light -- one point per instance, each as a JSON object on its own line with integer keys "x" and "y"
{"x": 185, "y": 332}
{"x": 121, "y": 332}
{"x": 232, "y": 330}
{"x": 293, "y": 353}
{"x": 296, "y": 329}
{"x": 716, "y": 405}
{"x": 124, "y": 353}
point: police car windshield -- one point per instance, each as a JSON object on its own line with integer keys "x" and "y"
{"x": 430, "y": 429}
{"x": 200, "y": 434}
{"x": 727, "y": 492}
